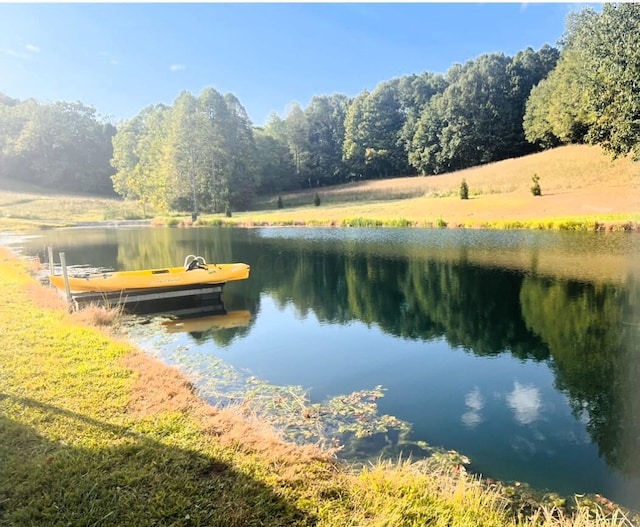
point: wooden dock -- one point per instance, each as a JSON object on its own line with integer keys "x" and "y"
{"x": 178, "y": 301}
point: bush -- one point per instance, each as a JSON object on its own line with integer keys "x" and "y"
{"x": 280, "y": 204}
{"x": 535, "y": 188}
{"x": 227, "y": 211}
{"x": 316, "y": 200}
{"x": 464, "y": 190}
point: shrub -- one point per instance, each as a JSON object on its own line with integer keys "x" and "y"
{"x": 361, "y": 222}
{"x": 535, "y": 188}
{"x": 316, "y": 200}
{"x": 464, "y": 190}
{"x": 280, "y": 204}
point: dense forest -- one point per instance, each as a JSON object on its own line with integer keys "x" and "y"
{"x": 203, "y": 153}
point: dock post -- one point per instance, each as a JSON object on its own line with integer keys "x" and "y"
{"x": 65, "y": 275}
{"x": 51, "y": 263}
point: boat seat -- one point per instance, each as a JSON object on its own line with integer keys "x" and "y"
{"x": 192, "y": 262}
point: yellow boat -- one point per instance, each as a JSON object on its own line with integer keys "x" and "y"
{"x": 194, "y": 272}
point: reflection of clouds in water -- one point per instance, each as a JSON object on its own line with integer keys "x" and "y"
{"x": 525, "y": 448}
{"x": 475, "y": 403}
{"x": 525, "y": 402}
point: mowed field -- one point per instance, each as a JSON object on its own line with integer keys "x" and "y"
{"x": 580, "y": 185}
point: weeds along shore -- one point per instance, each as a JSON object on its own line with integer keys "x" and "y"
{"x": 94, "y": 432}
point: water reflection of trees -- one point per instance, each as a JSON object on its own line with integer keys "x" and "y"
{"x": 469, "y": 306}
{"x": 588, "y": 332}
{"x": 592, "y": 333}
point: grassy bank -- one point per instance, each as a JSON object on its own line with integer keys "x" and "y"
{"x": 582, "y": 189}
{"x": 94, "y": 433}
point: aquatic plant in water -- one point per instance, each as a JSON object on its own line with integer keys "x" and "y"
{"x": 348, "y": 423}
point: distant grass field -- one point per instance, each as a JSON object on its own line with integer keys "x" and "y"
{"x": 582, "y": 189}
{"x": 560, "y": 170}
{"x": 27, "y": 207}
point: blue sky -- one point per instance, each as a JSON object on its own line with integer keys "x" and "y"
{"x": 122, "y": 57}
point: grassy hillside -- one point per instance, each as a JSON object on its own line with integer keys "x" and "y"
{"x": 560, "y": 170}
{"x": 581, "y": 186}
{"x": 579, "y": 183}
{"x": 24, "y": 206}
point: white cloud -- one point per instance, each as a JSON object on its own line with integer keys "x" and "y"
{"x": 13, "y": 53}
{"x": 526, "y": 403}
{"x": 25, "y": 55}
{"x": 177, "y": 67}
{"x": 475, "y": 403}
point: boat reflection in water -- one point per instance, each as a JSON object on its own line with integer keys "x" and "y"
{"x": 229, "y": 320}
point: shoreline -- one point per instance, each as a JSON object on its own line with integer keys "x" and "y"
{"x": 160, "y": 390}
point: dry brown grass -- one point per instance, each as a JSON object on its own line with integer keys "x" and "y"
{"x": 160, "y": 388}
{"x": 577, "y": 181}
{"x": 561, "y": 169}
{"x": 99, "y": 315}
{"x": 583, "y": 517}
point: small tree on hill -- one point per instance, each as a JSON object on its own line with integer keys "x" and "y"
{"x": 464, "y": 190}
{"x": 535, "y": 188}
{"x": 280, "y": 204}
{"x": 316, "y": 200}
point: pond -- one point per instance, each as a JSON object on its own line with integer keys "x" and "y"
{"x": 519, "y": 349}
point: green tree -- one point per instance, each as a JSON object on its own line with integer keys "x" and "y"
{"x": 188, "y": 153}
{"x": 535, "y": 187}
{"x": 325, "y": 117}
{"x": 274, "y": 165}
{"x": 297, "y": 132}
{"x": 139, "y": 157}
{"x": 593, "y": 94}
{"x": 240, "y": 152}
{"x": 464, "y": 190}
{"x": 477, "y": 119}
{"x": 62, "y": 146}
{"x": 557, "y": 111}
{"x": 353, "y": 146}
{"x": 425, "y": 150}
{"x": 373, "y": 127}
{"x": 415, "y": 93}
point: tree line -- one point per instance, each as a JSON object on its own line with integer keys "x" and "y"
{"x": 62, "y": 146}
{"x": 202, "y": 152}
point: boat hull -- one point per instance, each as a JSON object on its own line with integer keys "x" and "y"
{"x": 151, "y": 279}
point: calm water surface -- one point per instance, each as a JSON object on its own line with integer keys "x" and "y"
{"x": 518, "y": 349}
